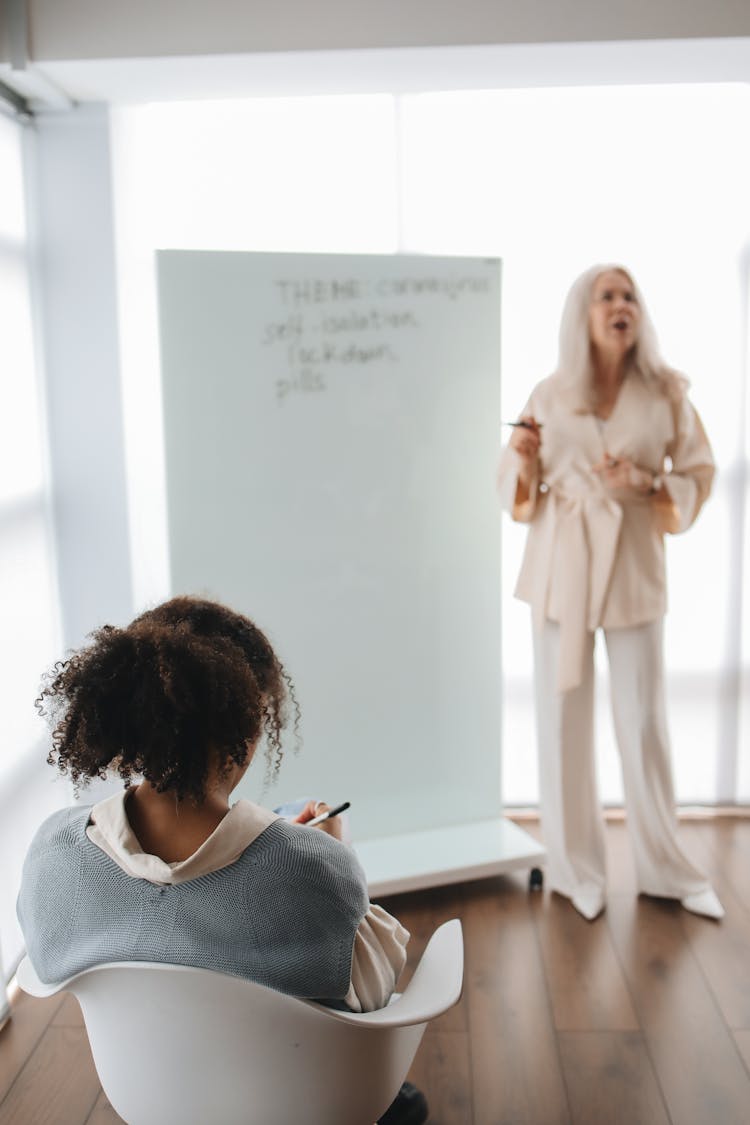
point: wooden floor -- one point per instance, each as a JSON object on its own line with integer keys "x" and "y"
{"x": 639, "y": 1018}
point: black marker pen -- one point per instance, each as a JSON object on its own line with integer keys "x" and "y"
{"x": 327, "y": 815}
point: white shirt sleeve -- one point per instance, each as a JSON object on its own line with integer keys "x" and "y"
{"x": 379, "y": 956}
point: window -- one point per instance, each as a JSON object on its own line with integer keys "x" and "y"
{"x": 550, "y": 181}
{"x": 657, "y": 178}
{"x": 28, "y": 599}
{"x": 27, "y": 595}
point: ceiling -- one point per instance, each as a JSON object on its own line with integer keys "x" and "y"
{"x": 56, "y": 85}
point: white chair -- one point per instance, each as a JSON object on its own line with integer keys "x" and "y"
{"x": 175, "y": 1045}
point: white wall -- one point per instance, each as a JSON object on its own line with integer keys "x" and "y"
{"x": 75, "y": 274}
{"x": 76, "y": 29}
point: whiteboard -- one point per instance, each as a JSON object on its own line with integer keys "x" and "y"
{"x": 331, "y": 430}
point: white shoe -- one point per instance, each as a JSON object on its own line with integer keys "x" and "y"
{"x": 588, "y": 901}
{"x": 705, "y": 903}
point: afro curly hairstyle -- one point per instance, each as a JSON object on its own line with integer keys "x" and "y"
{"x": 186, "y": 688}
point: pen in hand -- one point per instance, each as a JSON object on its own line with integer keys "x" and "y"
{"x": 327, "y": 815}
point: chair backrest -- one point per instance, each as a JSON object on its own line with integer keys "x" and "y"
{"x": 180, "y": 1046}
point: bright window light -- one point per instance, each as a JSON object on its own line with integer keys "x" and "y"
{"x": 12, "y": 219}
{"x": 28, "y": 608}
{"x": 657, "y": 178}
{"x": 550, "y": 181}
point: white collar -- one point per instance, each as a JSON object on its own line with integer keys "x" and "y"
{"x": 109, "y": 828}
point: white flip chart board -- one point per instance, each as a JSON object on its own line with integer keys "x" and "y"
{"x": 331, "y": 426}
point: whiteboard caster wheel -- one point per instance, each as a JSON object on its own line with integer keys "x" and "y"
{"x": 536, "y": 879}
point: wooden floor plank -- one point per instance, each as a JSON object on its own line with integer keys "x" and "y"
{"x": 723, "y": 952}
{"x": 69, "y": 1013}
{"x": 19, "y": 1037}
{"x": 103, "y": 1114}
{"x": 610, "y": 1079}
{"x": 516, "y": 1073}
{"x": 742, "y": 1039}
{"x": 57, "y": 1086}
{"x": 722, "y": 848}
{"x": 587, "y": 987}
{"x": 619, "y": 854}
{"x": 694, "y": 1055}
{"x": 728, "y": 840}
{"x": 443, "y": 1070}
{"x": 725, "y": 845}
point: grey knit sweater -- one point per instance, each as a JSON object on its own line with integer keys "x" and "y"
{"x": 285, "y": 914}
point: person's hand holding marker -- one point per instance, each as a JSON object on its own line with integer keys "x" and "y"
{"x": 526, "y": 440}
{"x": 317, "y": 814}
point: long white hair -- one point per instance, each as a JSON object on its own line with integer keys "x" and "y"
{"x": 574, "y": 364}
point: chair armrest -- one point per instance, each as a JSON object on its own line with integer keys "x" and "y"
{"x": 28, "y": 981}
{"x": 434, "y": 988}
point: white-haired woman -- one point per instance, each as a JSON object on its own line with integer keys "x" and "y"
{"x": 609, "y": 454}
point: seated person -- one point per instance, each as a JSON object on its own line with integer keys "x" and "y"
{"x": 166, "y": 870}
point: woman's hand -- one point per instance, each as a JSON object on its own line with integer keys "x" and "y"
{"x": 332, "y": 827}
{"x": 619, "y": 474}
{"x": 526, "y": 440}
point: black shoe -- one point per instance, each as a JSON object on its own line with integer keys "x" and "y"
{"x": 408, "y": 1108}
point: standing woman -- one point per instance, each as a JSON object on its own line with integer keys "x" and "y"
{"x": 609, "y": 455}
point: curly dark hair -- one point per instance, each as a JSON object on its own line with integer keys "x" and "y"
{"x": 186, "y": 687}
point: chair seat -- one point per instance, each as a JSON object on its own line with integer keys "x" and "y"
{"x": 175, "y": 1045}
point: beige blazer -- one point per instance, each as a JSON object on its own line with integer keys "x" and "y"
{"x": 595, "y": 557}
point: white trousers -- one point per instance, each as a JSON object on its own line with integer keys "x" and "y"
{"x": 571, "y": 814}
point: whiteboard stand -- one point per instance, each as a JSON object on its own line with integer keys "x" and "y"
{"x": 455, "y": 854}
